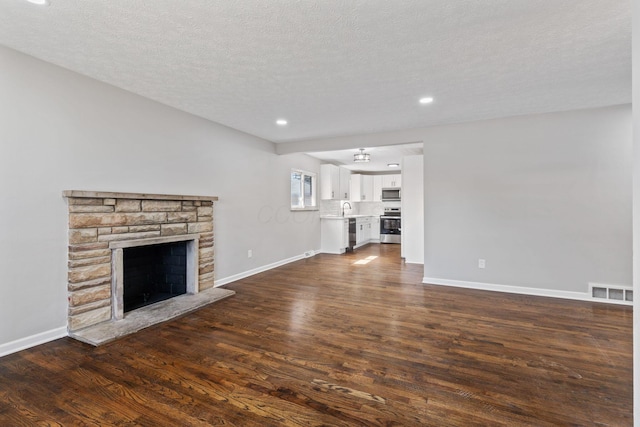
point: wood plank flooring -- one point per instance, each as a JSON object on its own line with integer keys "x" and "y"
{"x": 333, "y": 341}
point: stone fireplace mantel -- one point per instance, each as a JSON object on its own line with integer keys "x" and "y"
{"x": 102, "y": 223}
{"x": 140, "y": 196}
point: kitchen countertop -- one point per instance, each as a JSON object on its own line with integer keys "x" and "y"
{"x": 346, "y": 216}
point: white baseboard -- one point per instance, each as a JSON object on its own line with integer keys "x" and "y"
{"x": 580, "y": 296}
{"x": 235, "y": 277}
{"x": 32, "y": 341}
{"x": 330, "y": 252}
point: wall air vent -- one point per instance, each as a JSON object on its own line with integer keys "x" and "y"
{"x": 611, "y": 293}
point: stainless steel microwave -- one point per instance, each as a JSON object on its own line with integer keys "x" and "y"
{"x": 390, "y": 194}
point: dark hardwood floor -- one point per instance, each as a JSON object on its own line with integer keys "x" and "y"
{"x": 328, "y": 341}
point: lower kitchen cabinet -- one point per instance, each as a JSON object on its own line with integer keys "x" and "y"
{"x": 334, "y": 235}
{"x": 375, "y": 229}
{"x": 367, "y": 230}
{"x": 362, "y": 231}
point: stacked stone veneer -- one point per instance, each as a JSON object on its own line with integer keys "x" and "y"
{"x": 98, "y": 218}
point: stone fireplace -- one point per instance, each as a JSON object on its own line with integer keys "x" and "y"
{"x": 159, "y": 244}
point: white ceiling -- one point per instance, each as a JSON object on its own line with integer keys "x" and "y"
{"x": 380, "y": 157}
{"x": 339, "y": 67}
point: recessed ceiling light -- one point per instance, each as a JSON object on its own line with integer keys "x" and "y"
{"x": 426, "y": 100}
{"x": 281, "y": 122}
{"x": 39, "y": 2}
{"x": 393, "y": 165}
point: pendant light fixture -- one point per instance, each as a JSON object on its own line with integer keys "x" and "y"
{"x": 361, "y": 157}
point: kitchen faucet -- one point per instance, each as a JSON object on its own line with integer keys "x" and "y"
{"x": 345, "y": 203}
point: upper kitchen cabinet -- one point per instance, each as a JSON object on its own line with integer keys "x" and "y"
{"x": 329, "y": 182}
{"x": 345, "y": 183}
{"x": 377, "y": 188}
{"x": 334, "y": 182}
{"x": 362, "y": 188}
{"x": 391, "y": 181}
{"x": 367, "y": 188}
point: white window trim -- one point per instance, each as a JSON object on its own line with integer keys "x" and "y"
{"x": 314, "y": 190}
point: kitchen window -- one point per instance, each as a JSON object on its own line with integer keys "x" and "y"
{"x": 303, "y": 190}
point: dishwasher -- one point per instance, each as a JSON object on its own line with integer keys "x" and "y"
{"x": 352, "y": 234}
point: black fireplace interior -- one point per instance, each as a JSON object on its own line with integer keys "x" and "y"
{"x": 154, "y": 273}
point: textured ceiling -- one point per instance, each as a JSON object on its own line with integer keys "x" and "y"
{"x": 339, "y": 67}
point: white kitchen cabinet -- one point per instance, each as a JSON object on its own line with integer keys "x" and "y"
{"x": 356, "y": 183}
{"x": 377, "y": 188}
{"x": 345, "y": 234}
{"x": 375, "y": 229}
{"x": 329, "y": 182}
{"x": 392, "y": 181}
{"x": 345, "y": 183}
{"x": 334, "y": 235}
{"x": 363, "y": 230}
{"x": 366, "y": 188}
{"x": 361, "y": 188}
{"x": 334, "y": 182}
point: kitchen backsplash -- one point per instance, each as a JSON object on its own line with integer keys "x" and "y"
{"x": 370, "y": 208}
{"x": 334, "y": 207}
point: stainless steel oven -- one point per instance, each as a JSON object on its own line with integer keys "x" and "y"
{"x": 390, "y": 225}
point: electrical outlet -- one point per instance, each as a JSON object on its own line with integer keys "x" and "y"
{"x": 249, "y": 253}
{"x": 482, "y": 263}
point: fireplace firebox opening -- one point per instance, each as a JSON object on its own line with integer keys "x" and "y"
{"x": 154, "y": 273}
{"x": 146, "y": 271}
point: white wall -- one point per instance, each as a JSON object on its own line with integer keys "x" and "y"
{"x": 62, "y": 131}
{"x": 544, "y": 199}
{"x": 413, "y": 209}
{"x": 636, "y": 209}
